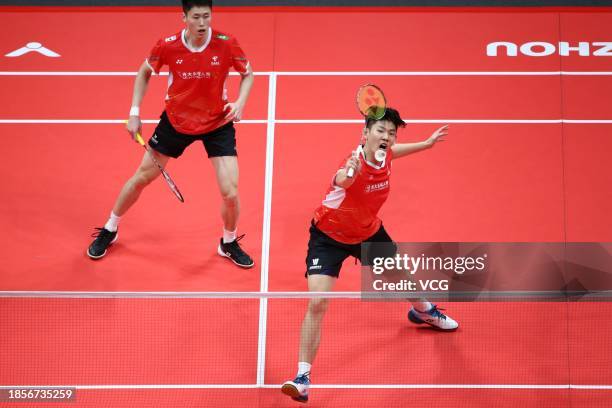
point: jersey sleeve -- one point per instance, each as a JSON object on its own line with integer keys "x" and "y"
{"x": 155, "y": 59}
{"x": 239, "y": 59}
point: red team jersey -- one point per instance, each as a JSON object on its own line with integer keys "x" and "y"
{"x": 196, "y": 84}
{"x": 350, "y": 215}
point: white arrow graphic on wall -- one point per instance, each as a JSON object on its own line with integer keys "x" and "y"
{"x": 33, "y": 47}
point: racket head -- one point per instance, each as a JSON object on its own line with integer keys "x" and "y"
{"x": 371, "y": 101}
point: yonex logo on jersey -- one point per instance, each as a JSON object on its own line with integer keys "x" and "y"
{"x": 170, "y": 39}
{"x": 179, "y": 61}
{"x": 222, "y": 37}
{"x": 215, "y": 60}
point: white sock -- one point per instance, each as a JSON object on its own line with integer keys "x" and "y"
{"x": 303, "y": 368}
{"x": 422, "y": 306}
{"x": 229, "y": 236}
{"x": 113, "y": 222}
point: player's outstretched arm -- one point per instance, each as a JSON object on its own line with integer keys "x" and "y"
{"x": 234, "y": 109}
{"x": 134, "y": 125}
{"x": 404, "y": 149}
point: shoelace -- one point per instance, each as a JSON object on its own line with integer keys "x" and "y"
{"x": 303, "y": 379}
{"x": 102, "y": 232}
{"x": 435, "y": 312}
{"x": 234, "y": 243}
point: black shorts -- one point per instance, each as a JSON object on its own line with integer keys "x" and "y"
{"x": 325, "y": 255}
{"x": 168, "y": 141}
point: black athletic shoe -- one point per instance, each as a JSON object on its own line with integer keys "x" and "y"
{"x": 233, "y": 251}
{"x": 104, "y": 239}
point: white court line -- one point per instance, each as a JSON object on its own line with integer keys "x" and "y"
{"x": 313, "y": 121}
{"x": 186, "y": 295}
{"x": 289, "y": 294}
{"x": 265, "y": 241}
{"x": 328, "y": 73}
{"x": 323, "y": 386}
{"x": 97, "y": 121}
{"x": 96, "y": 73}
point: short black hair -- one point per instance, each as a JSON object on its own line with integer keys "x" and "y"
{"x": 392, "y": 115}
{"x": 189, "y": 4}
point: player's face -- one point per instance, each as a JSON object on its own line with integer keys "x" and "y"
{"x": 198, "y": 21}
{"x": 381, "y": 135}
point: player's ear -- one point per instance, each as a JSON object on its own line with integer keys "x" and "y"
{"x": 184, "y": 17}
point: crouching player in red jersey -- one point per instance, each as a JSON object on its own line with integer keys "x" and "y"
{"x": 346, "y": 219}
{"x": 199, "y": 59}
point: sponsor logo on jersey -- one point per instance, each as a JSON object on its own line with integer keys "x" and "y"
{"x": 222, "y": 37}
{"x": 170, "y": 39}
{"x": 215, "y": 60}
{"x": 377, "y": 186}
{"x": 195, "y": 75}
{"x": 179, "y": 61}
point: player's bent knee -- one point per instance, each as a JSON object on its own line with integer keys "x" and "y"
{"x": 143, "y": 178}
{"x": 318, "y": 306}
{"x": 230, "y": 196}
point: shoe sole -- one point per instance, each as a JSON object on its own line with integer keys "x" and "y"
{"x": 105, "y": 251}
{"x": 223, "y": 254}
{"x": 292, "y": 391}
{"x": 416, "y": 320}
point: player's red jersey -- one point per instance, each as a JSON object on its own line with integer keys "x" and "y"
{"x": 196, "y": 85}
{"x": 350, "y": 215}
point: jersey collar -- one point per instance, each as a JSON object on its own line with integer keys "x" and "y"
{"x": 369, "y": 163}
{"x": 189, "y": 47}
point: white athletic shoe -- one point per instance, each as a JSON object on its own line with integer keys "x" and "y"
{"x": 298, "y": 388}
{"x": 434, "y": 318}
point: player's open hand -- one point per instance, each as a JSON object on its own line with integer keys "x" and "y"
{"x": 134, "y": 126}
{"x": 234, "y": 111}
{"x": 438, "y": 135}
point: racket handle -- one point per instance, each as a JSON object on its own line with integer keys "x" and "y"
{"x": 139, "y": 139}
{"x": 350, "y": 173}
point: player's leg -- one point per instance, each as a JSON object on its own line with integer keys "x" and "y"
{"x": 221, "y": 148}
{"x": 165, "y": 143}
{"x": 310, "y": 335}
{"x": 144, "y": 175}
{"x": 323, "y": 263}
{"x": 421, "y": 311}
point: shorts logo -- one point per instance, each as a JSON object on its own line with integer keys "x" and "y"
{"x": 215, "y": 61}
{"x": 154, "y": 139}
{"x": 315, "y": 264}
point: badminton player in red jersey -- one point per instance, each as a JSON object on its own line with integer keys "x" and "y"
{"x": 347, "y": 218}
{"x": 197, "y": 109}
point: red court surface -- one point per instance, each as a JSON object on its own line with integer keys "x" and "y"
{"x": 526, "y": 160}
